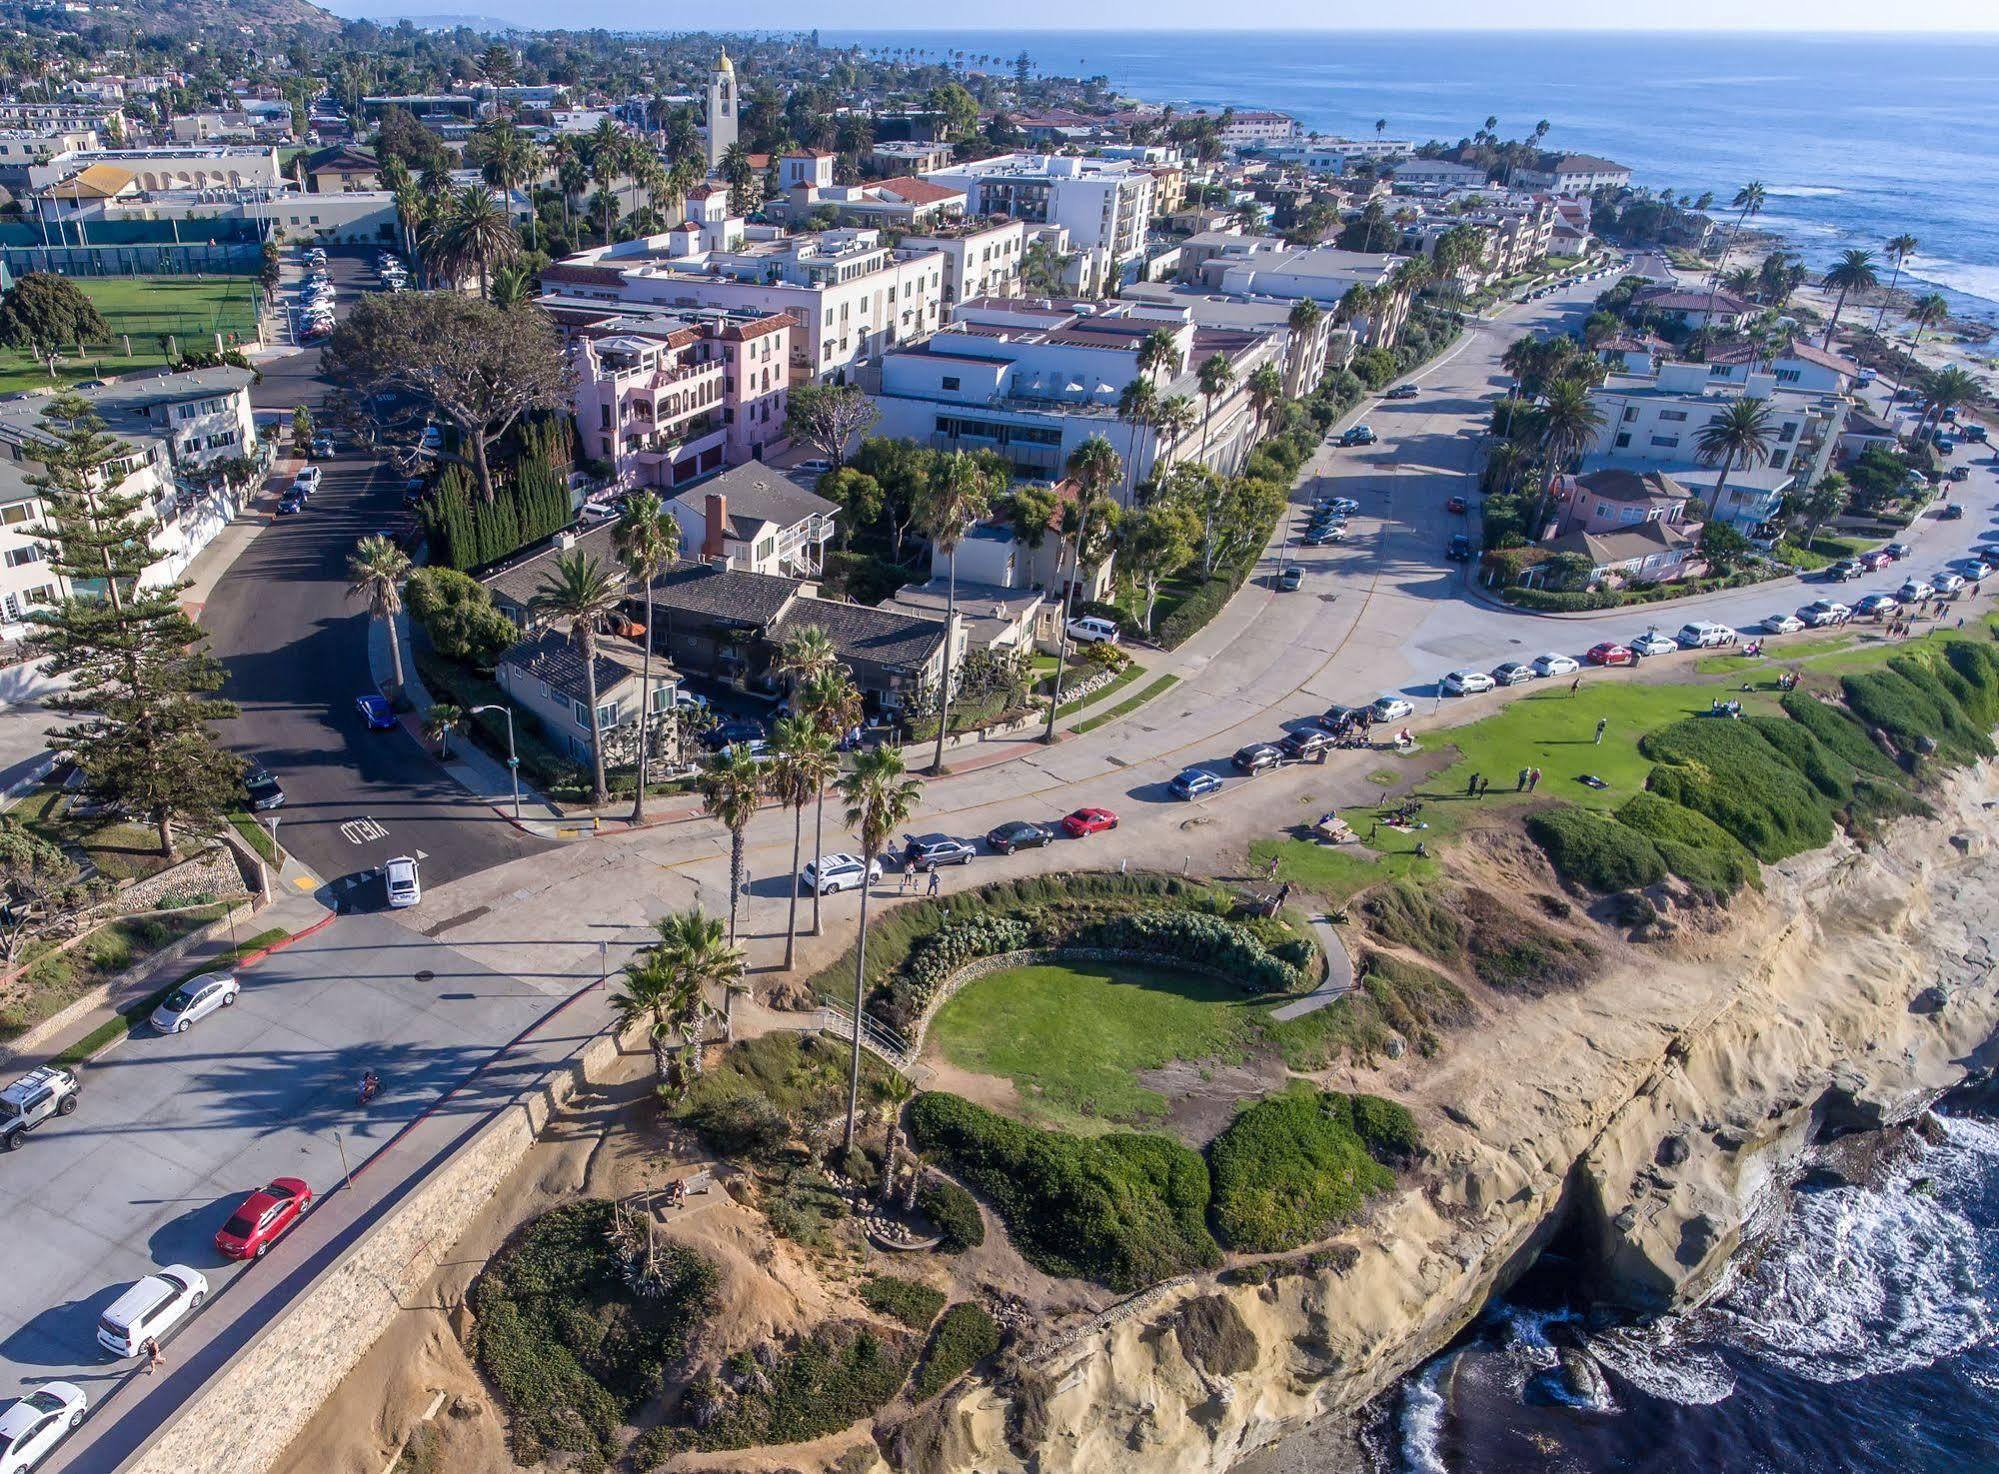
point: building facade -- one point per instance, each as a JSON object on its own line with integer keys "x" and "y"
{"x": 1104, "y": 204}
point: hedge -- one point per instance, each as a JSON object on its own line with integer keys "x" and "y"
{"x": 1293, "y": 1167}
{"x": 1566, "y": 601}
{"x": 953, "y": 1212}
{"x": 915, "y": 1305}
{"x": 1197, "y": 939}
{"x": 1596, "y": 851}
{"x": 1125, "y": 1209}
{"x": 966, "y": 1336}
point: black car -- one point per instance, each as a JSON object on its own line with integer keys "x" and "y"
{"x": 1340, "y": 718}
{"x": 1951, "y": 512}
{"x": 1256, "y": 757}
{"x": 929, "y": 851}
{"x": 263, "y": 790}
{"x": 1358, "y": 435}
{"x": 1305, "y": 741}
{"x": 732, "y": 731}
{"x": 1459, "y": 548}
{"x": 1844, "y": 571}
{"x": 1018, "y": 834}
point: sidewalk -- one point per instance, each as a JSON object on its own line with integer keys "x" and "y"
{"x": 207, "y": 568}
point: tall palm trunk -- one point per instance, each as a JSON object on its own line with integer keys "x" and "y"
{"x": 819, "y": 852}
{"x": 791, "y": 922}
{"x": 950, "y": 642}
{"x": 1714, "y": 502}
{"x": 598, "y": 794}
{"x": 395, "y": 650}
{"x": 860, "y": 983}
{"x": 645, "y": 710}
{"x": 735, "y": 879}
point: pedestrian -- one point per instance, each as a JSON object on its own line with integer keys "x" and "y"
{"x": 1471, "y": 786}
{"x": 1960, "y": 621}
{"x": 936, "y": 881}
{"x": 1373, "y": 828}
{"x": 1575, "y": 685}
{"x": 1483, "y": 784}
{"x": 150, "y": 1349}
{"x": 1533, "y": 779}
{"x": 1520, "y": 783}
{"x": 1271, "y": 872}
{"x": 1601, "y": 723}
{"x": 902, "y": 884}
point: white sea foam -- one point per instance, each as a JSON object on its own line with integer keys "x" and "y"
{"x": 1653, "y": 1361}
{"x": 1802, "y": 191}
{"x": 1980, "y": 281}
{"x": 1422, "y": 1419}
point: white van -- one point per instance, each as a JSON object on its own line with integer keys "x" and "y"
{"x": 1701, "y": 635}
{"x": 1092, "y": 629}
{"x": 150, "y": 1309}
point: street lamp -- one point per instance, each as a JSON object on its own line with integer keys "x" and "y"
{"x": 513, "y": 762}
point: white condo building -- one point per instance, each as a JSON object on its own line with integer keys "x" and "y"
{"x": 1104, "y": 204}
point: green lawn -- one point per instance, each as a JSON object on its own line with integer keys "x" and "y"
{"x": 141, "y": 308}
{"x": 1787, "y": 654}
{"x": 1123, "y": 678}
{"x": 1073, "y": 1039}
{"x": 1340, "y": 872}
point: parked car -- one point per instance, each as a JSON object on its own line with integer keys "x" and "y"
{"x": 1018, "y": 834}
{"x": 1822, "y": 612}
{"x": 308, "y": 479}
{"x": 1781, "y": 623}
{"x": 1846, "y": 570}
{"x": 1303, "y": 742}
{"x": 1336, "y": 717}
{"x": 1876, "y": 606}
{"x": 322, "y": 447}
{"x": 1652, "y": 642}
{"x": 1325, "y": 537}
{"x": 1088, "y": 821}
{"x": 1513, "y": 673}
{"x": 1290, "y": 578}
{"x": 1975, "y": 433}
{"x": 38, "y": 1095}
{"x": 376, "y": 712}
{"x": 193, "y": 1001}
{"x": 1467, "y": 682}
{"x": 263, "y": 789}
{"x": 432, "y": 437}
{"x": 809, "y": 471}
{"x": 1898, "y": 551}
{"x": 1952, "y": 512}
{"x": 1973, "y": 568}
{"x": 932, "y": 851}
{"x": 151, "y": 1309}
{"x": 400, "y": 876}
{"x": 729, "y": 733}
{"x": 1458, "y": 549}
{"x": 1092, "y": 629}
{"x": 1390, "y": 708}
{"x": 1551, "y": 664}
{"x": 1701, "y": 634}
{"x": 1345, "y": 506}
{"x": 36, "y": 1423}
{"x": 1254, "y": 758}
{"x": 1874, "y": 560}
{"x": 835, "y": 873}
{"x": 1457, "y": 506}
{"x": 1946, "y": 581}
{"x": 291, "y": 503}
{"x": 1194, "y": 782}
{"x": 1402, "y": 391}
{"x": 1609, "y": 652}
{"x": 1914, "y": 591}
{"x": 266, "y": 1216}
{"x": 1358, "y": 435}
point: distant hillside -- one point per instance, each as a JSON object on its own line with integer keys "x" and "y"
{"x": 155, "y": 17}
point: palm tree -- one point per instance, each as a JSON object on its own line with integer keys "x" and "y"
{"x": 1748, "y": 201}
{"x": 829, "y": 698}
{"x": 1739, "y": 435}
{"x": 478, "y": 235}
{"x": 896, "y": 1093}
{"x": 806, "y": 758}
{"x": 412, "y": 208}
{"x": 511, "y": 288}
{"x": 577, "y": 593}
{"x": 1930, "y": 309}
{"x": 1900, "y": 248}
{"x": 1156, "y": 351}
{"x": 692, "y": 942}
{"x": 1213, "y": 380}
{"x": 647, "y": 539}
{"x": 378, "y": 568}
{"x": 1853, "y": 272}
{"x": 1265, "y": 388}
{"x": 655, "y": 996}
{"x": 1094, "y": 465}
{"x": 438, "y": 724}
{"x": 1570, "y": 420}
{"x": 880, "y": 798}
{"x": 605, "y": 148}
{"x": 1170, "y": 422}
{"x": 571, "y": 175}
{"x": 732, "y": 791}
{"x": 1137, "y": 403}
{"x": 1947, "y": 389}
{"x": 957, "y": 496}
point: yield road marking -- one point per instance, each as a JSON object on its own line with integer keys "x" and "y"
{"x": 361, "y": 831}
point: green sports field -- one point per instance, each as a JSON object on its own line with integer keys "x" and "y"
{"x": 139, "y": 310}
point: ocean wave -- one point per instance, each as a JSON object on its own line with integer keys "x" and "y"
{"x": 1864, "y": 1281}
{"x": 1422, "y": 1421}
{"x": 1980, "y": 281}
{"x": 1802, "y": 191}
{"x": 1654, "y": 1361}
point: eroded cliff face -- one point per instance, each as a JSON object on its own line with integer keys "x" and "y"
{"x": 1663, "y": 1101}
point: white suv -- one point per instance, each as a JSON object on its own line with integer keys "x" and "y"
{"x": 837, "y": 873}
{"x": 1092, "y": 629}
{"x": 32, "y": 1099}
{"x": 1701, "y": 635}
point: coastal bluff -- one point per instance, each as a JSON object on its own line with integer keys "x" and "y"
{"x": 1647, "y": 1117}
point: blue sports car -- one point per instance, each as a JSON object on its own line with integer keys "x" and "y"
{"x": 376, "y": 712}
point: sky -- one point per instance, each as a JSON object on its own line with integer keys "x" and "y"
{"x": 1519, "y": 15}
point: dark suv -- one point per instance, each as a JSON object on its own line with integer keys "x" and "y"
{"x": 1256, "y": 757}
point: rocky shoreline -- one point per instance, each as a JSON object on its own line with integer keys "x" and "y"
{"x": 1670, "y": 1101}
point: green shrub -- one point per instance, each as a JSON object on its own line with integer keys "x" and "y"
{"x": 1290, "y": 1169}
{"x": 953, "y": 1212}
{"x": 1196, "y": 939}
{"x": 1407, "y": 915}
{"x": 1908, "y": 703}
{"x": 1595, "y": 851}
{"x": 932, "y": 960}
{"x": 1514, "y": 954}
{"x": 762, "y": 1092}
{"x": 1828, "y": 774}
{"x": 457, "y": 612}
{"x": 1694, "y": 847}
{"x": 842, "y": 1372}
{"x": 1977, "y": 667}
{"x": 966, "y": 1336}
{"x": 1122, "y": 1208}
{"x": 570, "y": 1347}
{"x": 1728, "y": 771}
{"x": 915, "y": 1305}
{"x": 1840, "y": 733}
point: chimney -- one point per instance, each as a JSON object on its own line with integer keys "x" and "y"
{"x": 715, "y": 525}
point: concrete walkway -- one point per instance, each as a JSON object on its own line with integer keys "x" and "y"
{"x": 1339, "y": 975}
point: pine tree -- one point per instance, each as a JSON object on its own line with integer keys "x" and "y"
{"x": 141, "y": 681}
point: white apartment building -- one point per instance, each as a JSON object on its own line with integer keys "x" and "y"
{"x": 1261, "y": 267}
{"x": 981, "y": 257}
{"x": 1104, "y": 204}
{"x": 1573, "y": 174}
{"x": 853, "y": 295}
{"x": 171, "y": 166}
{"x": 1655, "y": 421}
{"x": 1034, "y": 380}
{"x": 358, "y": 217}
{"x": 1439, "y": 174}
{"x": 178, "y": 425}
{"x": 22, "y": 148}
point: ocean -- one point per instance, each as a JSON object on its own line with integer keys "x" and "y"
{"x": 1855, "y": 138}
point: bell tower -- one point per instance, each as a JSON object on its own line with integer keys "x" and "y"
{"x": 721, "y": 109}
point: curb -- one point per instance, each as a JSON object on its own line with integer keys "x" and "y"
{"x": 251, "y": 959}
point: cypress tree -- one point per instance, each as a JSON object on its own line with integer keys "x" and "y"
{"x": 141, "y": 681}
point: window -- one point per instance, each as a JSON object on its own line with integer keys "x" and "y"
{"x": 1672, "y": 416}
{"x": 1777, "y": 461}
{"x": 662, "y": 698}
{"x": 1623, "y": 439}
{"x": 950, "y": 381}
{"x": 1630, "y": 412}
{"x": 1788, "y": 433}
{"x": 1719, "y": 370}
{"x": 19, "y": 557}
{"x": 1665, "y": 442}
{"x": 1789, "y": 376}
{"x": 18, "y": 513}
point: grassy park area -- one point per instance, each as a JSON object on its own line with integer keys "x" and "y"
{"x": 140, "y": 310}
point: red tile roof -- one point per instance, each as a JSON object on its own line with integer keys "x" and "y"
{"x": 916, "y": 191}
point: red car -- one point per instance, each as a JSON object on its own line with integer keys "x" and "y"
{"x": 1611, "y": 654}
{"x": 1457, "y": 506}
{"x": 266, "y": 1216}
{"x": 1088, "y": 821}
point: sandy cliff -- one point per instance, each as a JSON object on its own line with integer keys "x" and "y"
{"x": 1656, "y": 1107}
